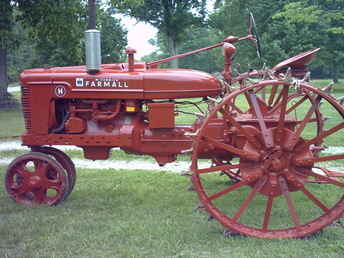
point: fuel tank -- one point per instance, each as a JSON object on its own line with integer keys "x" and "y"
{"x": 116, "y": 81}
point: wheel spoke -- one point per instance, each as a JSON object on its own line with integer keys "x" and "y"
{"x": 321, "y": 136}
{"x": 55, "y": 184}
{"x": 327, "y": 179}
{"x": 217, "y": 168}
{"x": 330, "y": 172}
{"x": 248, "y": 99}
{"x": 302, "y": 125}
{"x": 228, "y": 189}
{"x": 291, "y": 207}
{"x": 267, "y": 137}
{"x": 328, "y": 158}
{"x": 272, "y": 95}
{"x": 235, "y": 107}
{"x": 244, "y": 154}
{"x": 249, "y": 198}
{"x": 279, "y": 104}
{"x": 40, "y": 195}
{"x": 267, "y": 213}
{"x": 314, "y": 199}
{"x": 278, "y": 98}
{"x": 21, "y": 189}
{"x": 23, "y": 172}
{"x": 280, "y": 125}
{"x": 294, "y": 106}
{"x": 283, "y": 108}
{"x": 42, "y": 169}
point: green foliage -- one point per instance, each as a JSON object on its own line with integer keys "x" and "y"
{"x": 286, "y": 28}
{"x": 113, "y": 37}
{"x": 171, "y": 17}
{"x": 6, "y": 23}
{"x": 21, "y": 56}
{"x": 51, "y": 33}
{"x": 199, "y": 37}
{"x": 57, "y": 27}
{"x": 231, "y": 19}
{"x": 321, "y": 24}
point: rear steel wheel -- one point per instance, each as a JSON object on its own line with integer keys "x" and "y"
{"x": 35, "y": 178}
{"x": 66, "y": 163}
{"x": 289, "y": 185}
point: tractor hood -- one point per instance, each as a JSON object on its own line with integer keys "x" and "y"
{"x": 115, "y": 81}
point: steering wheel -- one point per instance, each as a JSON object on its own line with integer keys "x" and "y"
{"x": 252, "y": 30}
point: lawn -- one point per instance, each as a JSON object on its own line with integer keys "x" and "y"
{"x": 140, "y": 213}
{"x": 137, "y": 214}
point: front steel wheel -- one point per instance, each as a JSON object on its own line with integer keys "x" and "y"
{"x": 289, "y": 184}
{"x": 35, "y": 178}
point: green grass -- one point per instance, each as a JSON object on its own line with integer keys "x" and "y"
{"x": 137, "y": 214}
{"x": 12, "y": 123}
{"x": 321, "y": 83}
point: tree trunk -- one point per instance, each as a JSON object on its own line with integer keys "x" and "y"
{"x": 3, "y": 77}
{"x": 172, "y": 48}
{"x": 92, "y": 15}
{"x": 335, "y": 77}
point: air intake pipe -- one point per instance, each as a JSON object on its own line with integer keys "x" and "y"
{"x": 93, "y": 51}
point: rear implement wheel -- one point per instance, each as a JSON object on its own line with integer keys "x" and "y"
{"x": 35, "y": 178}
{"x": 289, "y": 186}
{"x": 66, "y": 163}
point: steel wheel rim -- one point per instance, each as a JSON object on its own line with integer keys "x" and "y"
{"x": 304, "y": 229}
{"x": 35, "y": 178}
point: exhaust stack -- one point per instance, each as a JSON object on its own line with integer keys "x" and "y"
{"x": 93, "y": 51}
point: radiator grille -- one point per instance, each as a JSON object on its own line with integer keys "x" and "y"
{"x": 26, "y": 105}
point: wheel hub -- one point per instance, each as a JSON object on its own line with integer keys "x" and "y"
{"x": 34, "y": 181}
{"x": 278, "y": 162}
{"x": 276, "y": 165}
{"x": 275, "y": 161}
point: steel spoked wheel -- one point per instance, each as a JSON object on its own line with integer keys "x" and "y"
{"x": 35, "y": 178}
{"x": 66, "y": 163}
{"x": 290, "y": 181}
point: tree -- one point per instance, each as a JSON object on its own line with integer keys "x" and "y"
{"x": 55, "y": 31}
{"x": 231, "y": 18}
{"x": 287, "y": 28}
{"x": 195, "y": 37}
{"x": 172, "y": 18}
{"x": 7, "y": 40}
{"x": 325, "y": 20}
{"x": 199, "y": 37}
{"x": 49, "y": 22}
{"x": 113, "y": 37}
{"x": 58, "y": 29}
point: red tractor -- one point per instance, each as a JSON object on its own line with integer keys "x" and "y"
{"x": 264, "y": 130}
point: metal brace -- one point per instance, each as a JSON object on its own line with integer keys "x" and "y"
{"x": 214, "y": 100}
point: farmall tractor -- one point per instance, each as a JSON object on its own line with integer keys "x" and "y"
{"x": 264, "y": 131}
